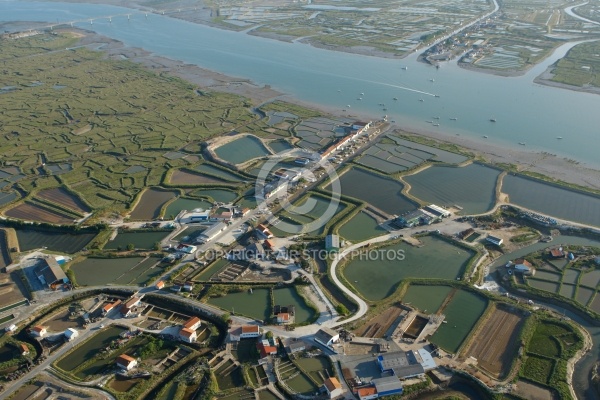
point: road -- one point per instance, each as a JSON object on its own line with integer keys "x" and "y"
{"x": 462, "y": 28}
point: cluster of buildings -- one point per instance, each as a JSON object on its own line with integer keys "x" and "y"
{"x": 352, "y": 132}
{"x": 395, "y": 367}
{"x": 422, "y": 216}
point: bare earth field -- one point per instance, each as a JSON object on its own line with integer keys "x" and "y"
{"x": 180, "y": 177}
{"x": 495, "y": 345}
{"x": 62, "y": 197}
{"x": 32, "y": 212}
{"x": 377, "y": 326}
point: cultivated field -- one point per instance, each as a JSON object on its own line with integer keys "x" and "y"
{"x": 63, "y": 198}
{"x": 185, "y": 177}
{"x": 36, "y": 212}
{"x": 134, "y": 118}
{"x": 496, "y": 344}
{"x": 377, "y": 326}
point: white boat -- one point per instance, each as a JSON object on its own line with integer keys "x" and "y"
{"x": 522, "y": 143}
{"x": 453, "y": 119}
{"x": 432, "y": 80}
{"x": 405, "y": 68}
{"x": 492, "y": 119}
{"x": 436, "y": 124}
{"x": 421, "y": 100}
{"x": 559, "y": 137}
{"x": 395, "y": 98}
{"x": 485, "y": 136}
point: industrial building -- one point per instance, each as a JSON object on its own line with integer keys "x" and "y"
{"x": 437, "y": 211}
{"x": 401, "y": 364}
{"x": 213, "y": 231}
{"x": 414, "y": 218}
{"x": 327, "y": 337}
{"x": 494, "y": 240}
{"x": 49, "y": 272}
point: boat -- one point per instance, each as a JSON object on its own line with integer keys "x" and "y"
{"x": 559, "y": 137}
{"x": 432, "y": 80}
{"x": 405, "y": 68}
{"x": 393, "y": 121}
{"x": 436, "y": 117}
{"x": 348, "y": 106}
{"x": 362, "y": 94}
{"x": 453, "y": 119}
{"x": 436, "y": 124}
{"x": 339, "y": 90}
{"x": 485, "y": 136}
{"x": 395, "y": 98}
{"x": 522, "y": 143}
{"x": 437, "y": 95}
{"x": 421, "y": 100}
{"x": 492, "y": 119}
{"x": 385, "y": 109}
{"x": 429, "y": 122}
{"x": 360, "y": 98}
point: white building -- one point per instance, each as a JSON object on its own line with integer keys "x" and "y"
{"x": 126, "y": 362}
{"x": 327, "y": 337}
{"x": 332, "y": 387}
{"x": 39, "y": 331}
{"x": 188, "y": 335}
{"x": 71, "y": 334}
{"x": 213, "y": 231}
{"x": 250, "y": 331}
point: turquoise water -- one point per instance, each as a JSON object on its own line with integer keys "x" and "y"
{"x": 361, "y": 227}
{"x": 219, "y": 195}
{"x": 377, "y": 275}
{"x": 315, "y": 75}
{"x": 377, "y": 190}
{"x": 241, "y": 150}
{"x": 471, "y": 187}
{"x": 181, "y": 204}
{"x": 462, "y": 313}
{"x": 552, "y": 200}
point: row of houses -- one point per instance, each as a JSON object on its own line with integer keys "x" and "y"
{"x": 354, "y": 131}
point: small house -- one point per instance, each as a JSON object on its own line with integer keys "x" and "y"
{"x": 23, "y": 349}
{"x": 193, "y": 323}
{"x": 109, "y": 307}
{"x": 188, "y": 286}
{"x": 250, "y": 331}
{"x": 126, "y": 362}
{"x": 11, "y": 328}
{"x": 494, "y": 240}
{"x": 332, "y": 387}
{"x": 327, "y": 337}
{"x": 71, "y": 334}
{"x": 332, "y": 243}
{"x": 130, "y": 304}
{"x": 160, "y": 285}
{"x": 39, "y": 331}
{"x": 367, "y": 393}
{"x": 188, "y": 335}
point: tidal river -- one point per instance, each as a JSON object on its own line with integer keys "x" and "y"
{"x": 524, "y": 111}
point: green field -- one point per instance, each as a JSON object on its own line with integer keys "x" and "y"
{"x": 117, "y": 124}
{"x": 580, "y": 67}
{"x": 100, "y": 271}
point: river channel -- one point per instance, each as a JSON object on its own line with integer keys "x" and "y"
{"x": 525, "y": 112}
